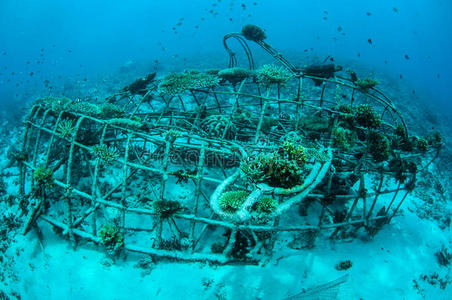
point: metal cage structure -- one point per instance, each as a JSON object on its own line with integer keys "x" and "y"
{"x": 154, "y": 166}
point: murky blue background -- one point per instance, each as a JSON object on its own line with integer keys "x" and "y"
{"x": 55, "y": 40}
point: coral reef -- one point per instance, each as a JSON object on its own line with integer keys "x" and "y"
{"x": 111, "y": 237}
{"x": 177, "y": 83}
{"x": 231, "y": 201}
{"x": 366, "y": 84}
{"x": 106, "y": 154}
{"x": 270, "y": 74}
{"x": 253, "y": 33}
{"x": 366, "y": 117}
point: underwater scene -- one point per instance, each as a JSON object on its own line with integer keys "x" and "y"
{"x": 225, "y": 149}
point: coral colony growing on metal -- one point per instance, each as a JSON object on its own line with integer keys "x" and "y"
{"x": 221, "y": 165}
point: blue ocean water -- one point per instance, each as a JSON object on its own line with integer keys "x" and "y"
{"x": 55, "y": 40}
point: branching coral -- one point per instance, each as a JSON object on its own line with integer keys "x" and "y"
{"x": 43, "y": 176}
{"x": 343, "y": 138}
{"x": 378, "y": 146}
{"x": 278, "y": 169}
{"x": 266, "y": 205}
{"x": 66, "y": 128}
{"x": 366, "y": 117}
{"x": 231, "y": 201}
{"x": 177, "y": 83}
{"x": 253, "y": 33}
{"x": 111, "y": 237}
{"x": 366, "y": 83}
{"x": 104, "y": 153}
{"x": 270, "y": 74}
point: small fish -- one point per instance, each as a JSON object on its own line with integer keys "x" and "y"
{"x": 406, "y": 56}
{"x": 368, "y": 14}
{"x": 395, "y": 9}
{"x": 31, "y": 74}
{"x": 243, "y": 6}
{"x": 339, "y": 28}
{"x": 359, "y": 54}
{"x": 386, "y": 62}
{"x": 438, "y": 75}
{"x": 28, "y": 62}
{"x": 413, "y": 91}
{"x": 369, "y": 41}
{"x": 325, "y": 12}
{"x": 4, "y": 53}
{"x": 401, "y": 76}
{"x": 70, "y": 51}
{"x": 325, "y": 18}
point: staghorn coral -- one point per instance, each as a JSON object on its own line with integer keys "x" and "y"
{"x": 111, "y": 237}
{"x": 231, "y": 201}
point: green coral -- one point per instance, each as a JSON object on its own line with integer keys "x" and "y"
{"x": 401, "y": 168}
{"x": 378, "y": 146}
{"x": 366, "y": 117}
{"x": 166, "y": 209}
{"x": 284, "y": 168}
{"x": 231, "y": 201}
{"x": 54, "y": 103}
{"x": 105, "y": 153}
{"x": 343, "y": 138}
{"x": 66, "y": 128}
{"x": 295, "y": 152}
{"x": 422, "y": 145}
{"x": 270, "y": 74}
{"x": 346, "y": 114}
{"x": 266, "y": 205}
{"x": 85, "y": 108}
{"x": 366, "y": 83}
{"x": 111, "y": 237}
{"x": 253, "y": 33}
{"x": 177, "y": 83}
{"x": 43, "y": 176}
